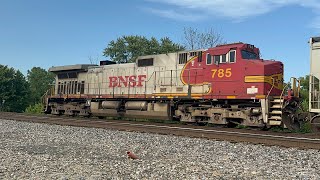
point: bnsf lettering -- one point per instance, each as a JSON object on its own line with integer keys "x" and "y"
{"x": 125, "y": 81}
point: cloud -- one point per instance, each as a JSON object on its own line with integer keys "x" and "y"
{"x": 232, "y": 9}
{"x": 173, "y": 14}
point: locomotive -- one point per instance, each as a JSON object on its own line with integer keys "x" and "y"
{"x": 228, "y": 84}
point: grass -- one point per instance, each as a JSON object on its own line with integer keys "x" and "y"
{"x": 240, "y": 126}
{"x": 280, "y": 129}
{"x": 305, "y": 128}
{"x": 34, "y": 109}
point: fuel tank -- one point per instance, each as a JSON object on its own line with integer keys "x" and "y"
{"x": 137, "y": 105}
{"x": 110, "y": 104}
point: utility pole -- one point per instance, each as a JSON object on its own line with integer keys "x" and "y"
{"x": 2, "y": 105}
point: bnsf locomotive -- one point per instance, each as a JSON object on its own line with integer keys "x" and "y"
{"x": 226, "y": 84}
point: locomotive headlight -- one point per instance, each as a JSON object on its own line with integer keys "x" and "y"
{"x": 88, "y": 103}
{"x": 250, "y": 46}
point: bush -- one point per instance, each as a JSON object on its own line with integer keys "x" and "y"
{"x": 305, "y": 105}
{"x": 35, "y": 109}
{"x": 305, "y": 128}
{"x": 240, "y": 126}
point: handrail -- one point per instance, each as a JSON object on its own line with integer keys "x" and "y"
{"x": 294, "y": 90}
{"x": 295, "y": 87}
{"x": 282, "y": 93}
{"x": 271, "y": 88}
{"x": 44, "y": 95}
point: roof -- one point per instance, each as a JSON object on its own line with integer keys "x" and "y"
{"x": 76, "y": 67}
{"x": 315, "y": 39}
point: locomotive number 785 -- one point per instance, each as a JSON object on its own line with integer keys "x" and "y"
{"x": 220, "y": 73}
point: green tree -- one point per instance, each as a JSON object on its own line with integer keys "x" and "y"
{"x": 128, "y": 48}
{"x": 304, "y": 82}
{"x": 14, "y": 90}
{"x": 154, "y": 46}
{"x": 40, "y": 81}
{"x": 167, "y": 46}
{"x": 304, "y": 92}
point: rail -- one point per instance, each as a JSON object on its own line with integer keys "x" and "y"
{"x": 304, "y": 141}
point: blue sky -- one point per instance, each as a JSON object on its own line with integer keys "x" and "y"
{"x": 49, "y": 33}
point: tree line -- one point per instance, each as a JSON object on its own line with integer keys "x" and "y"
{"x": 18, "y": 92}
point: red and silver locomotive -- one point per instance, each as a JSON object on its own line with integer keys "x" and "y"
{"x": 226, "y": 84}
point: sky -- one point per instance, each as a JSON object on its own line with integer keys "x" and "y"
{"x": 46, "y": 33}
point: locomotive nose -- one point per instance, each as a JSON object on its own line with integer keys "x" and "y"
{"x": 274, "y": 70}
{"x": 272, "y": 67}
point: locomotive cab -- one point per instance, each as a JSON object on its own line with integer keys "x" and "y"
{"x": 235, "y": 71}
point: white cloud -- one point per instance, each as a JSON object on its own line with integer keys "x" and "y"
{"x": 190, "y": 10}
{"x": 172, "y": 14}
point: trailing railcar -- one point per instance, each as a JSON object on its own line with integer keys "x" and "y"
{"x": 226, "y": 84}
{"x": 314, "y": 85}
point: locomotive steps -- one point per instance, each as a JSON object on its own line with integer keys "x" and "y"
{"x": 276, "y": 111}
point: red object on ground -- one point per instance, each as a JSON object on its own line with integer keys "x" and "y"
{"x": 131, "y": 155}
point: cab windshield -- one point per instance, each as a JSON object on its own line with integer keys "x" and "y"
{"x": 249, "y": 55}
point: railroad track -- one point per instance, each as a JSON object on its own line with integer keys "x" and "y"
{"x": 304, "y": 141}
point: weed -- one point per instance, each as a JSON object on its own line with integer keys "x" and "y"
{"x": 34, "y": 109}
{"x": 305, "y": 128}
{"x": 279, "y": 129}
{"x": 240, "y": 126}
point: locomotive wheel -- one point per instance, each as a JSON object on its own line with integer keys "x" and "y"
{"x": 291, "y": 122}
{"x": 315, "y": 124}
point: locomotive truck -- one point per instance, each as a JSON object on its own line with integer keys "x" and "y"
{"x": 228, "y": 84}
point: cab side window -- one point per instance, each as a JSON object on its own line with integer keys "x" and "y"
{"x": 216, "y": 59}
{"x": 232, "y": 56}
{"x": 223, "y": 58}
{"x": 209, "y": 59}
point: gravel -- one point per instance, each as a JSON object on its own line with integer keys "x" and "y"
{"x": 41, "y": 151}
